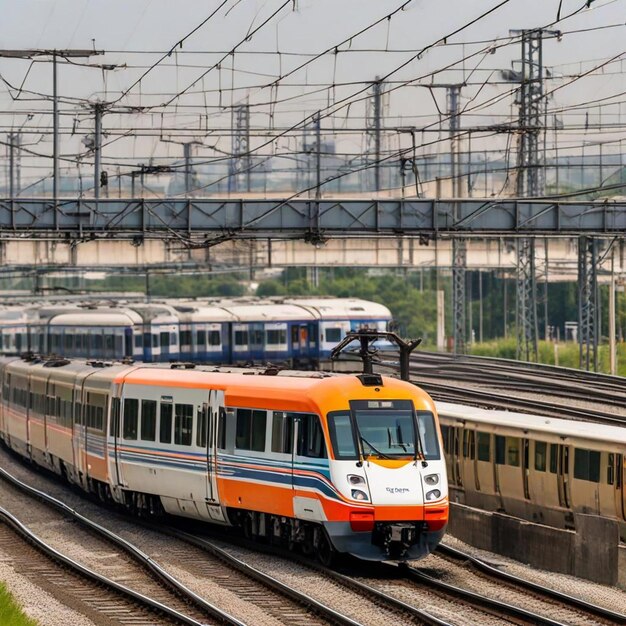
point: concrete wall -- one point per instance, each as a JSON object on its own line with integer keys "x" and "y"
{"x": 591, "y": 552}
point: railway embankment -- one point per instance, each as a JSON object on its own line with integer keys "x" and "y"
{"x": 591, "y": 550}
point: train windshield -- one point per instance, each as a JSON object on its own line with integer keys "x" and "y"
{"x": 385, "y": 430}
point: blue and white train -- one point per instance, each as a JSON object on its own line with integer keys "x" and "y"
{"x": 299, "y": 331}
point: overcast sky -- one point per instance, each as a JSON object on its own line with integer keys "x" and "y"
{"x": 125, "y": 29}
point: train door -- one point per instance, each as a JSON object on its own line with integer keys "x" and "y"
{"x": 79, "y": 434}
{"x": 563, "y": 475}
{"x": 213, "y": 411}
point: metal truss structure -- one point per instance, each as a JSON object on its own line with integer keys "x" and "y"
{"x": 532, "y": 112}
{"x": 526, "y": 301}
{"x": 588, "y": 303}
{"x": 459, "y": 265}
{"x": 212, "y": 220}
{"x": 241, "y": 162}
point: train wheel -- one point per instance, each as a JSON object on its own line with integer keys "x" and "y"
{"x": 325, "y": 552}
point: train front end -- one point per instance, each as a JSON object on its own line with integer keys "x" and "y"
{"x": 388, "y": 465}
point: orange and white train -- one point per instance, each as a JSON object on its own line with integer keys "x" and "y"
{"x": 334, "y": 464}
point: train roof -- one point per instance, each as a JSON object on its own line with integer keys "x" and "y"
{"x": 342, "y": 308}
{"x": 196, "y": 312}
{"x": 510, "y": 420}
{"x": 97, "y": 317}
{"x": 264, "y": 312}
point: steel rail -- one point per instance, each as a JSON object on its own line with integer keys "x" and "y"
{"x": 140, "y": 556}
{"x": 154, "y": 606}
{"x": 563, "y": 598}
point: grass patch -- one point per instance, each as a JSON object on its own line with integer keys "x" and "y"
{"x": 567, "y": 353}
{"x": 10, "y": 612}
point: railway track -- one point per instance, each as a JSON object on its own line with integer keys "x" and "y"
{"x": 393, "y": 587}
{"x": 91, "y": 593}
{"x": 588, "y": 610}
{"x": 239, "y": 579}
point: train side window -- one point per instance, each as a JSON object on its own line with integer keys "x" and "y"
{"x": 165, "y": 340}
{"x": 610, "y": 469}
{"x": 311, "y": 441}
{"x": 484, "y": 446}
{"x": 541, "y": 455}
{"x": 221, "y": 429}
{"x": 281, "y": 432}
{"x": 202, "y": 427}
{"x": 500, "y": 449}
{"x": 148, "y": 420}
{"x": 200, "y": 338}
{"x": 138, "y": 340}
{"x": 554, "y": 460}
{"x": 250, "y": 433}
{"x": 165, "y": 423}
{"x": 115, "y": 417}
{"x": 131, "y": 418}
{"x": 241, "y": 337}
{"x": 185, "y": 337}
{"x": 183, "y": 424}
{"x": 333, "y": 335}
{"x": 276, "y": 337}
{"x": 215, "y": 338}
{"x": 587, "y": 465}
{"x": 155, "y": 341}
{"x": 512, "y": 451}
{"x": 468, "y": 444}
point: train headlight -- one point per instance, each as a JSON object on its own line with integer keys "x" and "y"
{"x": 355, "y": 479}
{"x": 431, "y": 479}
{"x": 434, "y": 494}
{"x": 357, "y": 494}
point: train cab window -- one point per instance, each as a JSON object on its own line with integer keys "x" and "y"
{"x": 115, "y": 417}
{"x": 445, "y": 435}
{"x": 215, "y": 338}
{"x": 165, "y": 422}
{"x": 131, "y": 418}
{"x": 333, "y": 335}
{"x": 241, "y": 337}
{"x": 148, "y": 420}
{"x": 541, "y": 455}
{"x": 512, "y": 451}
{"x": 483, "y": 448}
{"x": 553, "y": 458}
{"x": 341, "y": 435}
{"x": 282, "y": 432}
{"x": 428, "y": 435}
{"x": 500, "y": 449}
{"x": 311, "y": 441}
{"x": 183, "y": 424}
{"x": 587, "y": 465}
{"x": 250, "y": 430}
{"x": 165, "y": 340}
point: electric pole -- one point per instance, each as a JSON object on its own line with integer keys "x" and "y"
{"x": 374, "y": 133}
{"x": 241, "y": 161}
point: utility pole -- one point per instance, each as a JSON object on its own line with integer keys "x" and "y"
{"x": 459, "y": 265}
{"x": 318, "y": 156}
{"x": 373, "y": 133}
{"x": 453, "y": 98}
{"x": 11, "y": 139}
{"x": 97, "y": 149}
{"x": 55, "y": 54}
